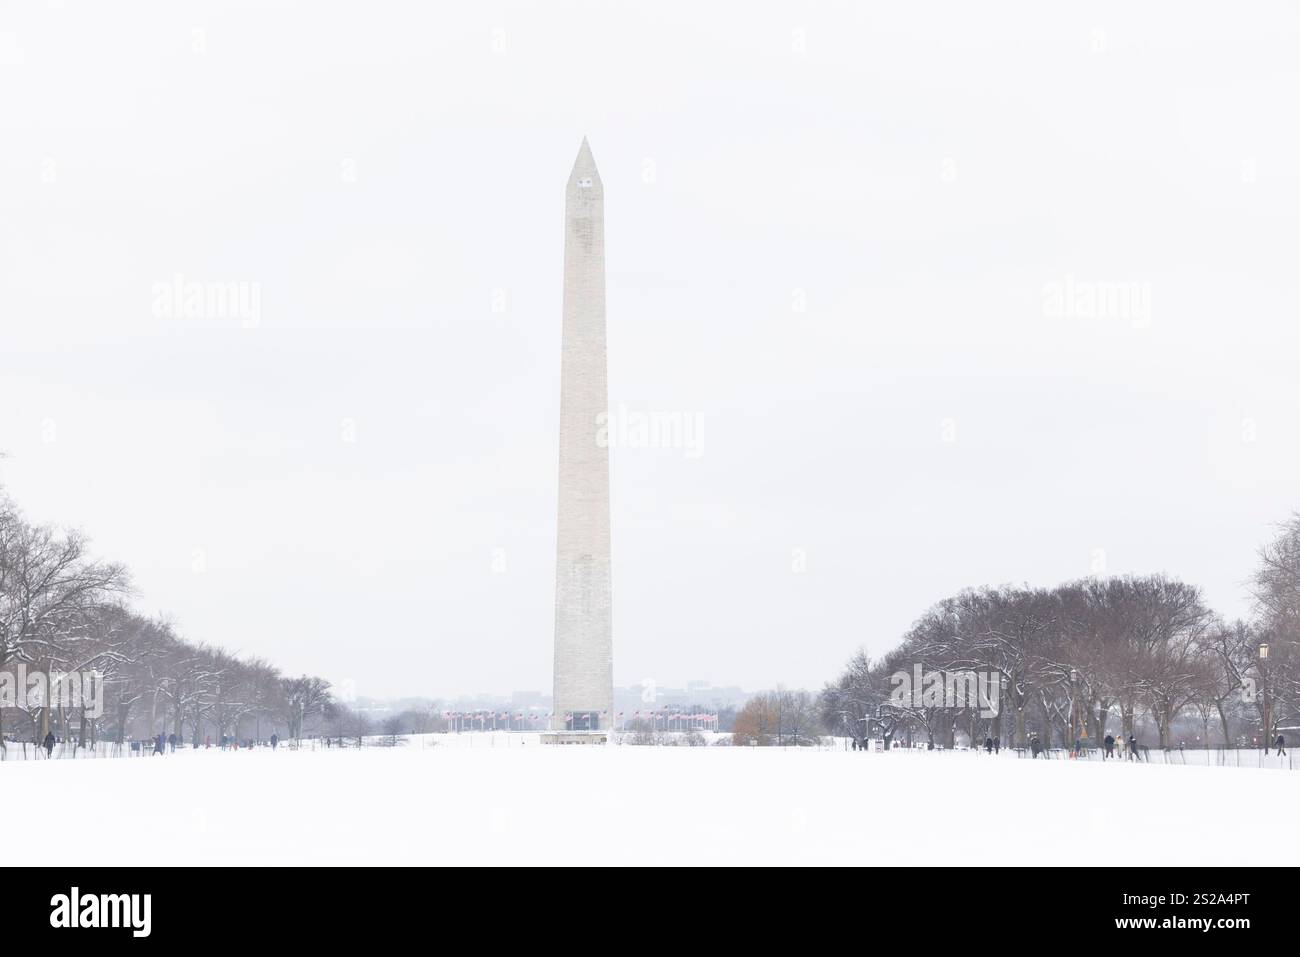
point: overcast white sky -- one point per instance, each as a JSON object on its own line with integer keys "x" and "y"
{"x": 833, "y": 236}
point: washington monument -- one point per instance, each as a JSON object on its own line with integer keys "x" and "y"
{"x": 584, "y": 652}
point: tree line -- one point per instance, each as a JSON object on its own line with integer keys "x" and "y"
{"x": 1092, "y": 657}
{"x": 64, "y": 611}
{"x": 780, "y": 718}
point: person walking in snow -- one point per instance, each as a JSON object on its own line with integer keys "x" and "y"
{"x": 997, "y": 744}
{"x": 1109, "y": 742}
{"x": 1034, "y": 746}
{"x": 171, "y": 742}
{"x": 988, "y": 745}
{"x": 275, "y": 740}
{"x": 1281, "y": 745}
{"x": 158, "y": 743}
{"x": 49, "y": 744}
{"x": 1133, "y": 748}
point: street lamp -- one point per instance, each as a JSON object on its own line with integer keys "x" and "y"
{"x": 1268, "y": 704}
{"x": 1075, "y": 718}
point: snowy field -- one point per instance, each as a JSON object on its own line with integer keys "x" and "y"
{"x": 505, "y": 799}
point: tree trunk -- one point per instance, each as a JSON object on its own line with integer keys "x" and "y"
{"x": 123, "y": 714}
{"x": 1223, "y": 720}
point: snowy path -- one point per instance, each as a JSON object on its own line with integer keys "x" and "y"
{"x": 642, "y": 806}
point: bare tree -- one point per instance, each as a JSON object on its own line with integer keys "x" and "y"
{"x": 302, "y": 697}
{"x": 50, "y": 590}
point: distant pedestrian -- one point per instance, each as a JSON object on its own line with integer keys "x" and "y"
{"x": 275, "y": 740}
{"x": 49, "y": 744}
{"x": 158, "y": 743}
{"x": 171, "y": 742}
{"x": 1133, "y": 748}
{"x": 1034, "y": 746}
{"x": 1109, "y": 742}
{"x": 988, "y": 745}
{"x": 1281, "y": 745}
{"x": 997, "y": 744}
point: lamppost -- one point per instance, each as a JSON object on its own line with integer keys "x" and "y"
{"x": 1268, "y": 704}
{"x": 1075, "y": 720}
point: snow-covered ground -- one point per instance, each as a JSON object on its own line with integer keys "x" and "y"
{"x": 505, "y": 799}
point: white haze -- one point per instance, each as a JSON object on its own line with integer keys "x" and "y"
{"x": 836, "y": 235}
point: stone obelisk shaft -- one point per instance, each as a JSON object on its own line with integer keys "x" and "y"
{"x": 584, "y": 662}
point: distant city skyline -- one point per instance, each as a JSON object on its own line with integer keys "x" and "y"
{"x": 626, "y": 699}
